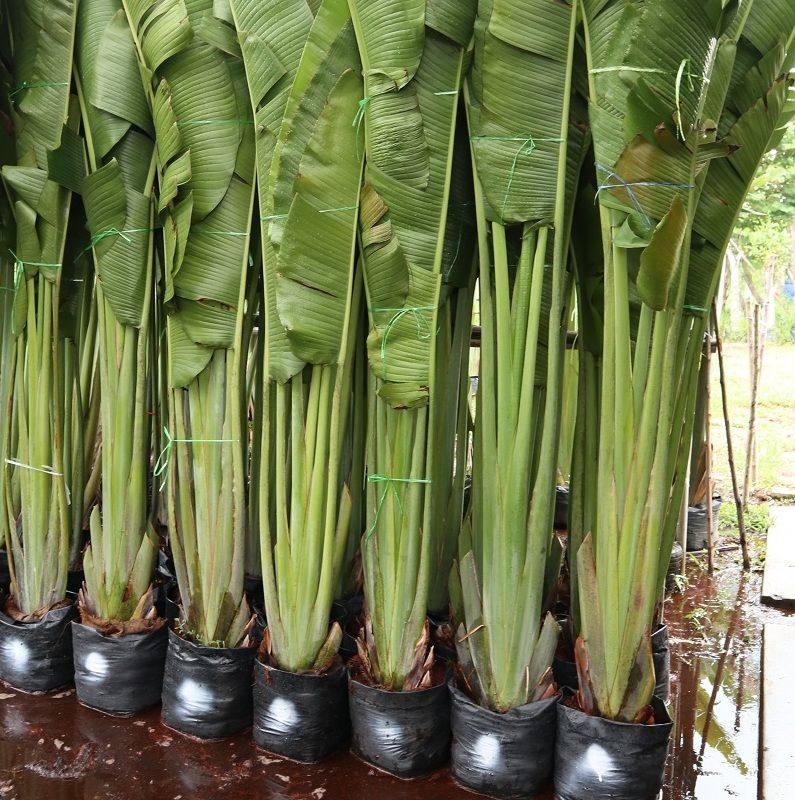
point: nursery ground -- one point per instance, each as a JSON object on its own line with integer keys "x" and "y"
{"x": 53, "y": 749}
{"x": 775, "y": 418}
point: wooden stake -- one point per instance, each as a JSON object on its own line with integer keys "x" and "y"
{"x": 708, "y": 453}
{"x": 732, "y": 468}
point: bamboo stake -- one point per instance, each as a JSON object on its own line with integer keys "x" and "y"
{"x": 730, "y": 450}
{"x": 757, "y": 350}
{"x": 708, "y": 452}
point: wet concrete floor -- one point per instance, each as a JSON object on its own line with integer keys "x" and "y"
{"x": 51, "y": 748}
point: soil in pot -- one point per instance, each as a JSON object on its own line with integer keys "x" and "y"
{"x": 406, "y": 734}
{"x": 36, "y": 655}
{"x": 502, "y": 755}
{"x": 599, "y": 759}
{"x": 117, "y": 674}
{"x": 207, "y": 691}
{"x": 303, "y": 717}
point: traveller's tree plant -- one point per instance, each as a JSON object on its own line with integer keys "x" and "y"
{"x": 527, "y": 148}
{"x": 37, "y": 499}
{"x": 195, "y": 85}
{"x": 309, "y": 172}
{"x": 413, "y": 61}
{"x": 668, "y": 167}
{"x": 117, "y": 196}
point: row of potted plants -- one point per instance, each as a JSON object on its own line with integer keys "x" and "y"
{"x": 246, "y": 240}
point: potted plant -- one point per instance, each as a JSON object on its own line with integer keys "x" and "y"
{"x": 119, "y": 643}
{"x": 205, "y": 167}
{"x": 664, "y": 162}
{"x": 527, "y": 148}
{"x": 413, "y": 62}
{"x": 308, "y": 212}
{"x": 35, "y": 648}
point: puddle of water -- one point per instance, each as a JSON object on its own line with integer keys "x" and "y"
{"x": 716, "y": 681}
{"x": 51, "y": 748}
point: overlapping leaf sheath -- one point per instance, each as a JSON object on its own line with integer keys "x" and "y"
{"x": 527, "y": 147}
{"x": 204, "y": 132}
{"x": 309, "y": 182}
{"x": 117, "y": 196}
{"x": 659, "y": 77}
{"x": 37, "y": 504}
{"x": 413, "y": 60}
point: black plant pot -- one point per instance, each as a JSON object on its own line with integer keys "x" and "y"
{"x": 502, "y": 755}
{"x": 406, "y": 734}
{"x": 661, "y": 656}
{"x": 697, "y": 533}
{"x": 119, "y": 675}
{"x": 598, "y": 759}
{"x": 302, "y": 717}
{"x": 37, "y": 656}
{"x": 207, "y": 690}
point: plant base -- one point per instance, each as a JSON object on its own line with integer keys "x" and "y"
{"x": 37, "y": 656}
{"x": 118, "y": 675}
{"x": 207, "y": 690}
{"x": 599, "y": 759}
{"x": 301, "y": 717}
{"x": 406, "y": 734}
{"x": 502, "y": 755}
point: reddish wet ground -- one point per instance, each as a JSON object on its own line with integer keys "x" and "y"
{"x": 53, "y": 749}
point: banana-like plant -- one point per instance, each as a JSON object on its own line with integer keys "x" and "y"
{"x": 37, "y": 500}
{"x": 527, "y": 153}
{"x": 309, "y": 183}
{"x": 668, "y": 170}
{"x": 117, "y": 196}
{"x": 204, "y": 134}
{"x": 413, "y": 61}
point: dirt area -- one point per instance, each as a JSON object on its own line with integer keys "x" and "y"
{"x": 775, "y": 417}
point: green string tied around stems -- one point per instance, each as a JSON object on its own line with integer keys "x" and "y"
{"x": 527, "y": 147}
{"x": 272, "y": 217}
{"x": 614, "y": 181}
{"x": 389, "y": 483}
{"x": 24, "y": 86}
{"x": 423, "y": 328}
{"x": 19, "y": 268}
{"x": 187, "y": 122}
{"x": 100, "y": 236}
{"x": 682, "y": 72}
{"x": 161, "y": 465}
{"x": 359, "y": 118}
{"x": 45, "y": 469}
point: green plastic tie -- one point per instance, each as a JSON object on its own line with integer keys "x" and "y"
{"x": 389, "y": 483}
{"x": 452, "y": 92}
{"x": 184, "y": 122}
{"x": 423, "y": 329}
{"x": 210, "y": 232}
{"x": 271, "y": 217}
{"x": 528, "y": 145}
{"x": 161, "y": 465}
{"x": 694, "y": 309}
{"x": 359, "y": 118}
{"x": 19, "y": 268}
{"x": 107, "y": 233}
{"x": 620, "y": 183}
{"x": 37, "y": 85}
{"x": 44, "y": 469}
